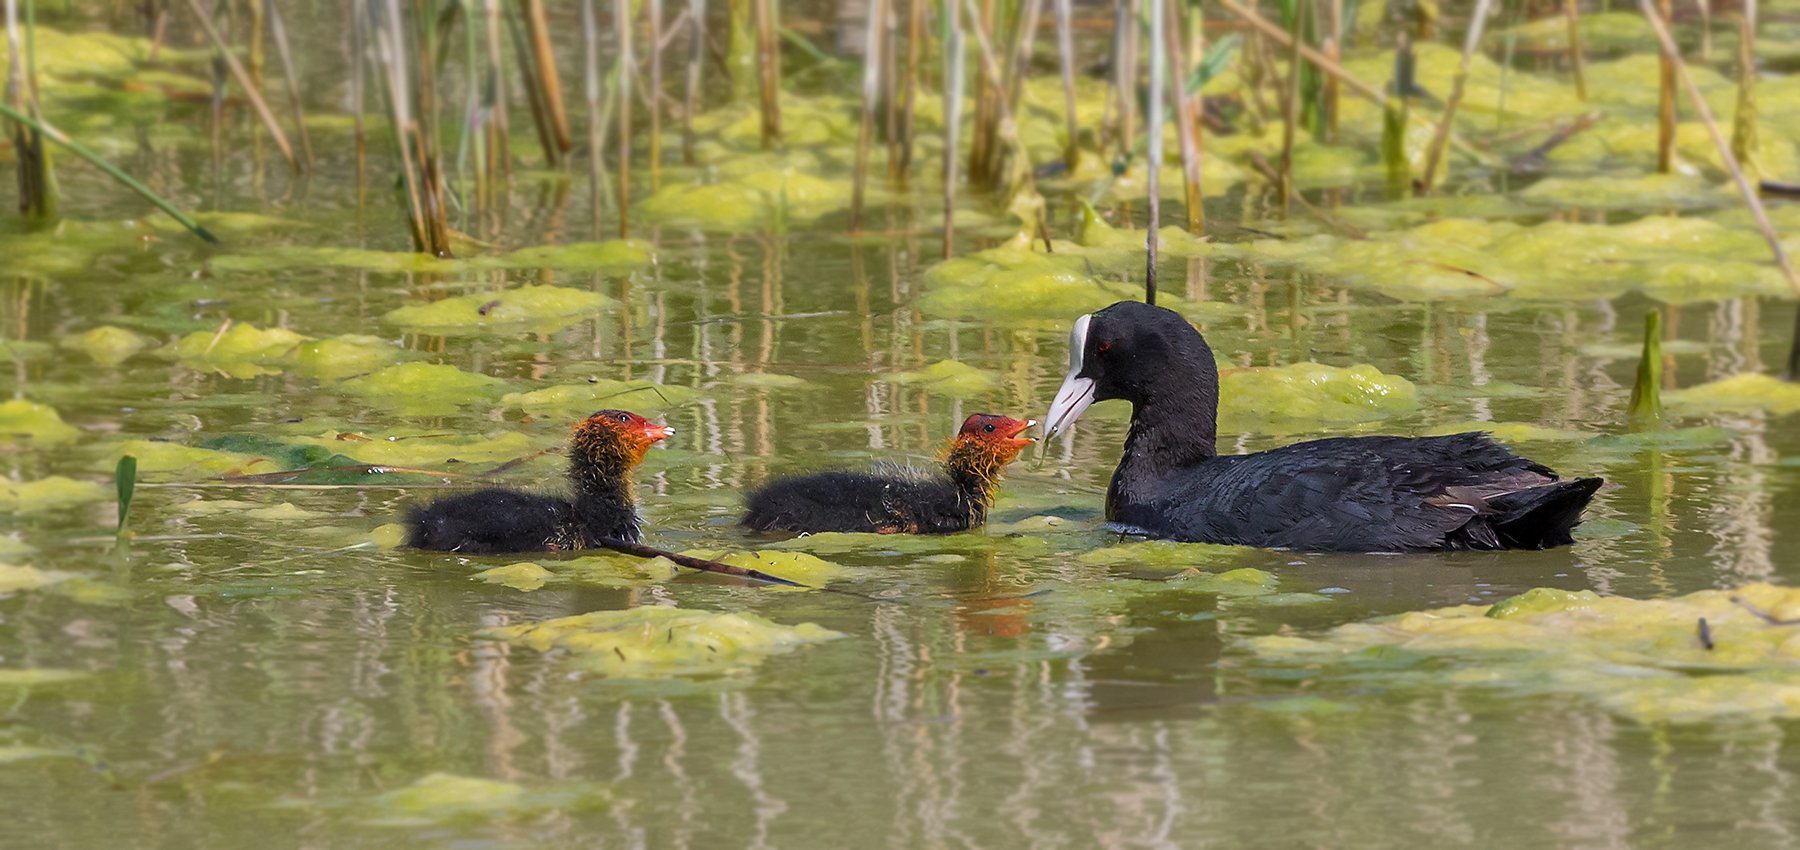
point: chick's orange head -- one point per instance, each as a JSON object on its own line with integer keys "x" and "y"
{"x": 998, "y": 430}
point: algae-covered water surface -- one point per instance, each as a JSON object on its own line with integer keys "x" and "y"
{"x": 257, "y": 661}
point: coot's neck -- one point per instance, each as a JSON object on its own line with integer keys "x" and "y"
{"x": 1175, "y": 423}
{"x": 974, "y": 469}
{"x": 605, "y": 494}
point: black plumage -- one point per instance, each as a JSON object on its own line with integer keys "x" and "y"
{"x": 603, "y": 450}
{"x": 1354, "y": 494}
{"x": 899, "y": 501}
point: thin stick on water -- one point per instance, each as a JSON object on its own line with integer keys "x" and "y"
{"x": 955, "y": 57}
{"x": 871, "y": 83}
{"x": 1577, "y": 58}
{"x": 642, "y": 551}
{"x": 244, "y": 82}
{"x": 1065, "y": 50}
{"x": 691, "y": 97}
{"x": 291, "y": 79}
{"x": 1154, "y": 155}
{"x": 1477, "y": 21}
{"x": 1767, "y": 227}
{"x": 113, "y": 171}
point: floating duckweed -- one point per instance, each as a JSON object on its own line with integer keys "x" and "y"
{"x": 238, "y": 351}
{"x": 578, "y": 256}
{"x": 521, "y": 576}
{"x": 447, "y": 797}
{"x": 1644, "y": 659}
{"x": 49, "y": 494}
{"x": 1651, "y": 190}
{"x": 425, "y": 389}
{"x": 658, "y": 642}
{"x": 793, "y": 566}
{"x": 949, "y": 377}
{"x": 1162, "y": 553}
{"x": 344, "y": 356}
{"x": 1506, "y": 432}
{"x": 1244, "y": 581}
{"x": 1737, "y": 394}
{"x": 426, "y": 449}
{"x": 16, "y": 578}
{"x": 769, "y": 380}
{"x": 28, "y": 421}
{"x": 157, "y": 456}
{"x": 1300, "y": 396}
{"x": 533, "y": 309}
{"x": 109, "y": 346}
{"x": 39, "y": 676}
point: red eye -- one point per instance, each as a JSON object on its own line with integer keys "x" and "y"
{"x": 1103, "y": 346}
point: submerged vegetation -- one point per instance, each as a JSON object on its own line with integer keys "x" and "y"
{"x": 433, "y": 234}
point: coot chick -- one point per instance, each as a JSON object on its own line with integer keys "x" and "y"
{"x": 1345, "y": 494}
{"x": 603, "y": 450}
{"x": 901, "y": 501}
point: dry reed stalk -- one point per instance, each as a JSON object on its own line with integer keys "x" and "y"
{"x": 1477, "y": 22}
{"x": 243, "y": 80}
{"x": 1577, "y": 57}
{"x": 768, "y": 73}
{"x": 1187, "y": 131}
{"x": 981, "y": 133}
{"x": 1128, "y": 76}
{"x": 1744, "y": 142}
{"x": 1660, "y": 25}
{"x": 359, "y": 47}
{"x": 890, "y": 95}
{"x": 1706, "y": 45}
{"x": 494, "y": 94}
{"x": 292, "y": 79}
{"x": 915, "y": 37}
{"x": 1154, "y": 154}
{"x": 1332, "y": 95}
{"x": 691, "y": 96}
{"x": 37, "y": 196}
{"x": 1290, "y": 113}
{"x": 654, "y": 10}
{"x": 537, "y": 25}
{"x": 1065, "y": 51}
{"x": 590, "y": 30}
{"x": 870, "y": 85}
{"x": 622, "y": 22}
{"x": 534, "y": 93}
{"x": 1665, "y": 111}
{"x": 955, "y": 58}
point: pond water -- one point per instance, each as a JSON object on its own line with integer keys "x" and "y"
{"x": 259, "y": 664}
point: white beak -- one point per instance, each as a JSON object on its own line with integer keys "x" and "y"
{"x": 1077, "y": 392}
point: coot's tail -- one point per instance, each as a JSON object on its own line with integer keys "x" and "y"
{"x": 1541, "y": 517}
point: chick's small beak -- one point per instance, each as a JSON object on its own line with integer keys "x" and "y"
{"x": 1012, "y": 435}
{"x": 655, "y": 433}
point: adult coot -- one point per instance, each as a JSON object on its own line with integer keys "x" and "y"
{"x": 1346, "y": 494}
{"x": 603, "y": 450}
{"x": 901, "y": 501}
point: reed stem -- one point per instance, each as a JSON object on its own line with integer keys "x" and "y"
{"x": 871, "y": 83}
{"x": 1065, "y": 50}
{"x": 768, "y": 73}
{"x": 1660, "y": 25}
{"x": 291, "y": 79}
{"x": 1477, "y": 22}
{"x": 622, "y": 21}
{"x": 244, "y": 82}
{"x": 691, "y": 96}
{"x": 1577, "y": 55}
{"x": 653, "y": 9}
{"x": 590, "y": 30}
{"x": 1665, "y": 112}
{"x": 1159, "y": 66}
{"x": 955, "y": 61}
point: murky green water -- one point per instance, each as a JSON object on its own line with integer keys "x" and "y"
{"x": 257, "y": 671}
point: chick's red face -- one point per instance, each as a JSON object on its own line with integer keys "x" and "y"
{"x": 1000, "y": 430}
{"x": 633, "y": 427}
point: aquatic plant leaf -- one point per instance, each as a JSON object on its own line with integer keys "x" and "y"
{"x": 577, "y": 256}
{"x": 157, "y": 456}
{"x": 425, "y": 389}
{"x": 48, "y": 494}
{"x": 521, "y": 576}
{"x": 1645, "y": 410}
{"x": 30, "y": 422}
{"x": 578, "y": 400}
{"x": 1644, "y": 659}
{"x": 1162, "y": 553}
{"x": 343, "y": 356}
{"x": 1737, "y": 394}
{"x": 239, "y": 351}
{"x": 439, "y": 797}
{"x": 427, "y": 450}
{"x": 528, "y": 309}
{"x": 109, "y": 346}
{"x": 660, "y": 641}
{"x": 949, "y": 377}
{"x": 16, "y": 578}
{"x": 1506, "y": 432}
{"x": 769, "y": 380}
{"x": 1300, "y": 396}
{"x": 39, "y": 676}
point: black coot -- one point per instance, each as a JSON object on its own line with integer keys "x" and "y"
{"x": 603, "y": 450}
{"x": 1346, "y": 494}
{"x": 901, "y": 502}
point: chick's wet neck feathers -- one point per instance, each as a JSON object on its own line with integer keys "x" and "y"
{"x": 974, "y": 464}
{"x": 602, "y": 457}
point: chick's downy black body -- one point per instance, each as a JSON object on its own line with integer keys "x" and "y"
{"x": 1354, "y": 494}
{"x": 900, "y": 502}
{"x": 603, "y": 449}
